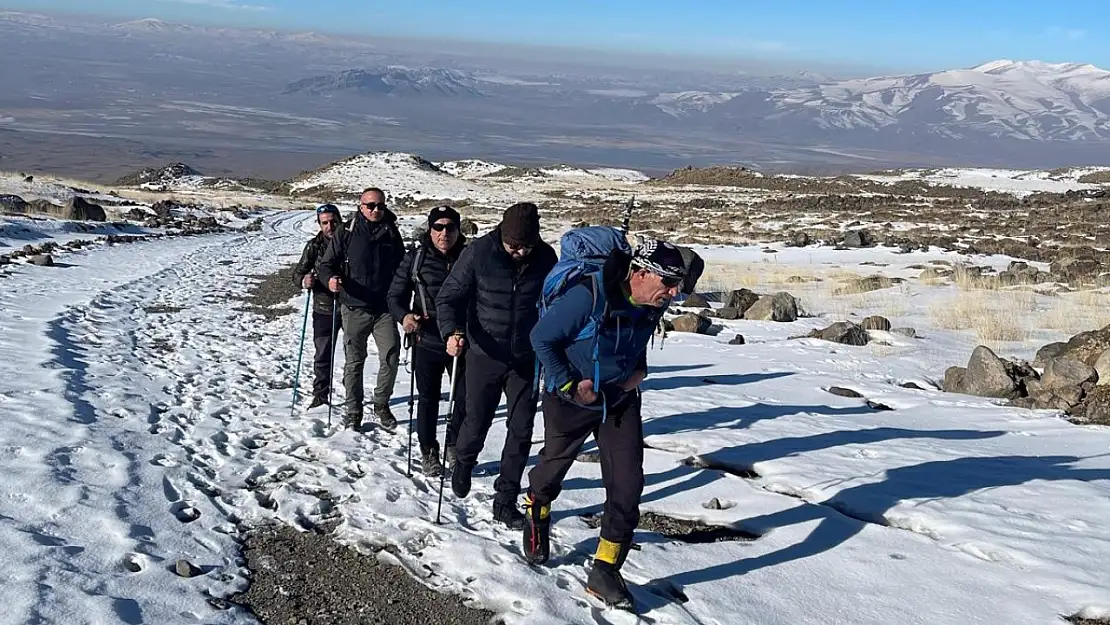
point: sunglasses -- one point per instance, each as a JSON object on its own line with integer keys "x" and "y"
{"x": 372, "y": 205}
{"x": 670, "y": 282}
{"x": 449, "y": 227}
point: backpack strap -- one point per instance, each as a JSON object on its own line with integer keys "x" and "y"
{"x": 599, "y": 309}
{"x": 417, "y": 265}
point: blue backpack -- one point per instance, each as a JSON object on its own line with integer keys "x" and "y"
{"x": 582, "y": 255}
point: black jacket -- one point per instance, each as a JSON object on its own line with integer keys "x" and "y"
{"x": 406, "y": 297}
{"x": 493, "y": 298}
{"x": 365, "y": 257}
{"x": 322, "y": 298}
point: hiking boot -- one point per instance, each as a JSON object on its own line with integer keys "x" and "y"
{"x": 605, "y": 581}
{"x": 460, "y": 480}
{"x": 508, "y": 514}
{"x": 385, "y": 417}
{"x": 450, "y": 457}
{"x": 432, "y": 467}
{"x": 317, "y": 401}
{"x": 353, "y": 421}
{"x": 537, "y": 531}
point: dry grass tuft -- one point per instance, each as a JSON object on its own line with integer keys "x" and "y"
{"x": 968, "y": 279}
{"x": 994, "y": 316}
{"x": 1077, "y": 312}
{"x": 723, "y": 277}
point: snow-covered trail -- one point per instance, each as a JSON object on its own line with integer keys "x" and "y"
{"x": 135, "y": 438}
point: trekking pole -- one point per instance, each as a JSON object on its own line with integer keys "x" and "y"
{"x": 450, "y": 414}
{"x": 412, "y": 391}
{"x": 628, "y": 214}
{"x": 331, "y": 358}
{"x": 300, "y": 353}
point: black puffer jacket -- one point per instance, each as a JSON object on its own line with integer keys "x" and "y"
{"x": 432, "y": 270}
{"x": 493, "y": 298}
{"x": 365, "y": 257}
{"x": 322, "y": 298}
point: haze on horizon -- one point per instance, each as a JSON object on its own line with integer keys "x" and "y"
{"x": 866, "y": 38}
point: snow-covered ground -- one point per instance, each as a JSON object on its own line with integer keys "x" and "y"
{"x": 16, "y": 232}
{"x": 1019, "y": 182}
{"x": 135, "y": 397}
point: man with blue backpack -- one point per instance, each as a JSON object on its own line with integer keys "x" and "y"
{"x": 601, "y": 305}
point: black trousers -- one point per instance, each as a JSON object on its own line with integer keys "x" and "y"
{"x": 620, "y": 443}
{"x": 324, "y": 341}
{"x": 486, "y": 379}
{"x": 428, "y": 367}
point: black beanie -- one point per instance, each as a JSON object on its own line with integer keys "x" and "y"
{"x": 521, "y": 224}
{"x": 441, "y": 212}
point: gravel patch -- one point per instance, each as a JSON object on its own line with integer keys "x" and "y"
{"x": 273, "y": 289}
{"x": 304, "y": 578}
{"x": 683, "y": 530}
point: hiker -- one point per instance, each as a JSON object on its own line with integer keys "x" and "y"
{"x": 412, "y": 304}
{"x": 486, "y": 309}
{"x": 323, "y": 334}
{"x": 592, "y": 387}
{"x": 359, "y": 265}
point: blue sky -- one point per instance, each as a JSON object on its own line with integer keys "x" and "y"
{"x": 910, "y": 34}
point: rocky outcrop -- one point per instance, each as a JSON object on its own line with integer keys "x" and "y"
{"x": 779, "y": 306}
{"x": 76, "y": 209}
{"x": 843, "y": 332}
{"x": 985, "y": 375}
{"x": 865, "y": 285}
{"x": 876, "y": 323}
{"x": 695, "y": 300}
{"x": 741, "y": 300}
{"x": 858, "y": 238}
{"x": 1067, "y": 383}
{"x": 691, "y": 322}
{"x": 13, "y": 204}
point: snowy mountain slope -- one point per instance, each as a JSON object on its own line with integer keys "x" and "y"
{"x": 397, "y": 173}
{"x": 482, "y": 182}
{"x": 684, "y": 103}
{"x": 1014, "y": 181}
{"x": 391, "y": 81}
{"x": 1025, "y": 100}
{"x": 147, "y": 420}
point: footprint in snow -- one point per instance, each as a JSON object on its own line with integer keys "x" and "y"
{"x": 185, "y": 512}
{"x": 170, "y": 491}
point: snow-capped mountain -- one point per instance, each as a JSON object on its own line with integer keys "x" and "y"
{"x": 1014, "y": 99}
{"x": 393, "y": 80}
{"x": 686, "y": 102}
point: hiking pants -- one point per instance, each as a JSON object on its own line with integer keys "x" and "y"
{"x": 358, "y": 325}
{"x": 485, "y": 380}
{"x": 324, "y": 341}
{"x": 428, "y": 367}
{"x": 620, "y": 442}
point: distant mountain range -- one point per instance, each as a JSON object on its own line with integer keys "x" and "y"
{"x": 1024, "y": 100}
{"x": 394, "y": 81}
{"x": 1021, "y": 100}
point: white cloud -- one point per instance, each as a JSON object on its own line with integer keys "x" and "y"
{"x": 222, "y": 4}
